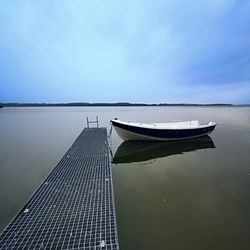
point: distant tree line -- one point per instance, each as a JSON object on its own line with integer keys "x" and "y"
{"x": 107, "y": 104}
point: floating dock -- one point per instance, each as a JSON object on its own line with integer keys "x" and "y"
{"x": 74, "y": 206}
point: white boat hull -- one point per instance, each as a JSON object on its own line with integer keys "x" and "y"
{"x": 131, "y": 131}
{"x": 132, "y": 136}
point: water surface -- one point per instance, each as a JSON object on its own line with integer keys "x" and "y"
{"x": 192, "y": 194}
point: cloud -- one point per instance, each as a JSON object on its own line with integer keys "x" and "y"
{"x": 130, "y": 51}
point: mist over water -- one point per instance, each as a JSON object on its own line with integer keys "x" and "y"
{"x": 190, "y": 194}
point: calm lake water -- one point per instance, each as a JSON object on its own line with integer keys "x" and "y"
{"x": 191, "y": 194}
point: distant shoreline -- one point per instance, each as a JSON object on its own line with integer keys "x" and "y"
{"x": 119, "y": 104}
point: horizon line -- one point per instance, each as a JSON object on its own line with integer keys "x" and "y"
{"x": 82, "y": 104}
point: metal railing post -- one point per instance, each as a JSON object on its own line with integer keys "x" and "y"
{"x": 97, "y": 122}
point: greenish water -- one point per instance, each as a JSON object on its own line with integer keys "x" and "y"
{"x": 192, "y": 194}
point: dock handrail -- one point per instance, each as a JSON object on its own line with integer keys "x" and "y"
{"x": 89, "y": 122}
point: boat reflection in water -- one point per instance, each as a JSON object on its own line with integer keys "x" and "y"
{"x": 137, "y": 151}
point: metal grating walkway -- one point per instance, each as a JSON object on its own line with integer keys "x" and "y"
{"x": 74, "y": 207}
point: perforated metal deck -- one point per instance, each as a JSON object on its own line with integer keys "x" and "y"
{"x": 74, "y": 207}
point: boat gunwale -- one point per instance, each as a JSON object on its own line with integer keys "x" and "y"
{"x": 164, "y": 129}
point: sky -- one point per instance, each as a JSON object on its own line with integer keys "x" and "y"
{"x": 161, "y": 51}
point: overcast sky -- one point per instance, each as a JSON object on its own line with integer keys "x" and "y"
{"x": 195, "y": 51}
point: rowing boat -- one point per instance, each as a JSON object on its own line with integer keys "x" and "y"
{"x": 135, "y": 131}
